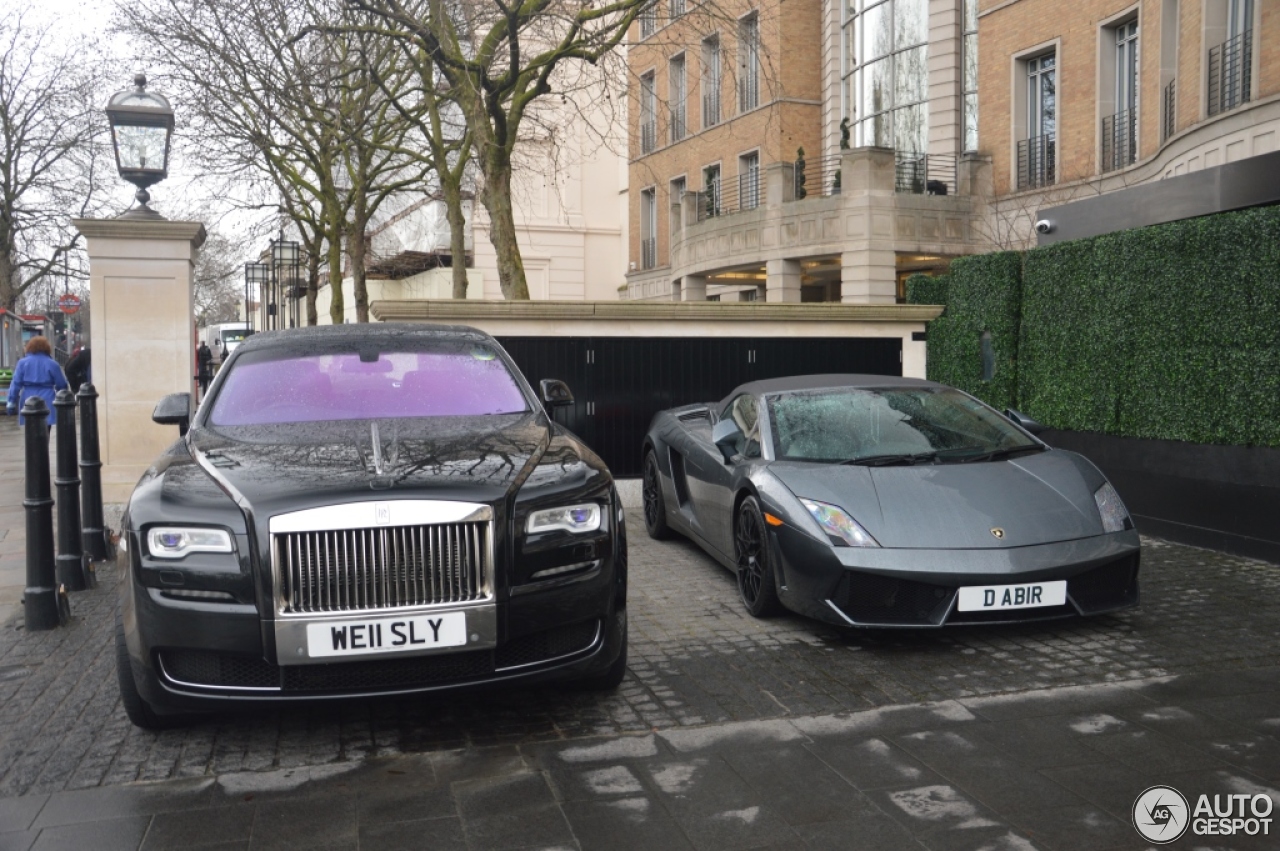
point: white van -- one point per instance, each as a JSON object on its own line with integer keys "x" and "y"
{"x": 223, "y": 338}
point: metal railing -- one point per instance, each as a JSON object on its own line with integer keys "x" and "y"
{"x": 1119, "y": 140}
{"x": 1037, "y": 162}
{"x": 711, "y": 107}
{"x": 648, "y": 137}
{"x": 677, "y": 122}
{"x": 726, "y": 197}
{"x": 1230, "y": 73}
{"x": 649, "y": 253}
{"x": 677, "y": 8}
{"x": 748, "y": 92}
{"x": 817, "y": 177}
{"x": 925, "y": 174}
{"x": 1170, "y": 105}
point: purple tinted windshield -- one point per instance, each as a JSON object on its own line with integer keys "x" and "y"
{"x": 469, "y": 382}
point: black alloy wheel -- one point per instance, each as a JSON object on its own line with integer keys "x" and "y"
{"x": 655, "y": 508}
{"x": 140, "y": 712}
{"x": 756, "y": 582}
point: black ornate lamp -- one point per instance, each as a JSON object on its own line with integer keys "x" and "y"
{"x": 257, "y": 276}
{"x": 286, "y": 256}
{"x": 141, "y": 129}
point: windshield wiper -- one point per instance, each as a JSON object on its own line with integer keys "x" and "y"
{"x": 995, "y": 454}
{"x": 887, "y": 460}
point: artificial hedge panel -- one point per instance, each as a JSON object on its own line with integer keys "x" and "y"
{"x": 982, "y": 293}
{"x": 927, "y": 289}
{"x": 1168, "y": 332}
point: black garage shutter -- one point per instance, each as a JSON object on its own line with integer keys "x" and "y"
{"x": 619, "y": 383}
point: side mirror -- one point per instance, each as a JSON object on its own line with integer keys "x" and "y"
{"x": 726, "y": 435}
{"x": 555, "y": 393}
{"x": 1023, "y": 420}
{"x": 174, "y": 409}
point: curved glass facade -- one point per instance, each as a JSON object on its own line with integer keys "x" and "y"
{"x": 886, "y": 72}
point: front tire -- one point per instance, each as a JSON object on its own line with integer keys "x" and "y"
{"x": 612, "y": 677}
{"x": 141, "y": 713}
{"x": 655, "y": 506}
{"x": 756, "y": 583}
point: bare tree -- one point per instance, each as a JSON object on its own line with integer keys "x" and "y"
{"x": 53, "y": 156}
{"x": 495, "y": 59}
{"x": 294, "y": 102}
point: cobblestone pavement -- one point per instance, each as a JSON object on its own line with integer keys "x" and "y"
{"x": 697, "y": 659}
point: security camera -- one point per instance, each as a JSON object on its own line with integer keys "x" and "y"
{"x": 1044, "y": 226}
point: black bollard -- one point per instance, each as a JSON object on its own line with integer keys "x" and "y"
{"x": 72, "y": 567}
{"x": 94, "y": 531}
{"x": 40, "y": 602}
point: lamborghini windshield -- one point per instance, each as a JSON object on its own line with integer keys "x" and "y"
{"x": 890, "y": 425}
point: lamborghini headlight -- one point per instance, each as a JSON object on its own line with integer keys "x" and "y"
{"x": 1111, "y": 509}
{"x": 839, "y": 526}
{"x": 176, "y": 542}
{"x": 571, "y": 518}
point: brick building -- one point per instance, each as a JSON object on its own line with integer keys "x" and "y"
{"x": 1088, "y": 98}
{"x": 723, "y": 97}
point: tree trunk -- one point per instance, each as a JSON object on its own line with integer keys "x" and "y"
{"x": 457, "y": 234}
{"x": 313, "y": 286}
{"x": 8, "y": 292}
{"x": 496, "y": 195}
{"x": 337, "y": 309}
{"x": 356, "y": 251}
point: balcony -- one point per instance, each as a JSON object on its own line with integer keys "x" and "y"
{"x": 1120, "y": 140}
{"x": 648, "y": 137}
{"x": 649, "y": 253}
{"x": 1170, "y": 107}
{"x": 1230, "y": 73}
{"x": 748, "y": 92}
{"x": 678, "y": 129}
{"x": 1037, "y": 160}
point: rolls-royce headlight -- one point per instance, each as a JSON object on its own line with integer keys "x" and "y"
{"x": 1114, "y": 515}
{"x": 571, "y": 518}
{"x": 176, "y": 542}
{"x": 839, "y": 525}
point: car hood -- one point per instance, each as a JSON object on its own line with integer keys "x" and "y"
{"x": 289, "y": 467}
{"x": 1035, "y": 499}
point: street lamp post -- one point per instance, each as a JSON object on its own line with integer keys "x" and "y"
{"x": 141, "y": 130}
{"x": 257, "y": 277}
{"x": 285, "y": 258}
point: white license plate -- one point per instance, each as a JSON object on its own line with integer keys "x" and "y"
{"x": 386, "y": 634}
{"x": 984, "y": 598}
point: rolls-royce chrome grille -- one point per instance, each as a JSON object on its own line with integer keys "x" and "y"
{"x": 363, "y": 556}
{"x": 382, "y": 568}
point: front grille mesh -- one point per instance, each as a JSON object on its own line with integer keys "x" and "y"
{"x": 359, "y": 569}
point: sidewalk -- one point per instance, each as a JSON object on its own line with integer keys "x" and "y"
{"x": 13, "y": 523}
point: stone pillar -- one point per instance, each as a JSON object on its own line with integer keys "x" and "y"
{"x": 779, "y": 184}
{"x": 973, "y": 175}
{"x": 693, "y": 288}
{"x": 782, "y": 280}
{"x": 868, "y": 171}
{"x": 869, "y": 276}
{"x": 692, "y": 201}
{"x": 143, "y": 336}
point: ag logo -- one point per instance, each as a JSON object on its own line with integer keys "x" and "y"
{"x": 1161, "y": 814}
{"x": 998, "y": 532}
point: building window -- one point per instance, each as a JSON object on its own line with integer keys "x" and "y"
{"x": 970, "y": 76}
{"x": 1231, "y": 63}
{"x": 889, "y": 51}
{"x": 1037, "y": 155}
{"x": 648, "y": 114}
{"x": 677, "y": 203}
{"x": 1120, "y": 129}
{"x": 711, "y": 81}
{"x": 710, "y": 192}
{"x": 749, "y": 181}
{"x": 648, "y": 229}
{"x": 676, "y": 81}
{"x": 677, "y": 8}
{"x": 749, "y": 63}
{"x": 649, "y": 19}
{"x": 749, "y": 295}
{"x": 1168, "y": 68}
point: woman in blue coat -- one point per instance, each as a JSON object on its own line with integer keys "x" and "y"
{"x": 37, "y": 374}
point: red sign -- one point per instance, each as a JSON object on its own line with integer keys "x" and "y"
{"x": 69, "y": 303}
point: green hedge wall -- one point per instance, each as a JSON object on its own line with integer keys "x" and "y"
{"x": 982, "y": 294}
{"x": 1170, "y": 331}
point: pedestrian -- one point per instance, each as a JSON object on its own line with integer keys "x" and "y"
{"x": 37, "y": 374}
{"x": 78, "y": 369}
{"x": 204, "y": 361}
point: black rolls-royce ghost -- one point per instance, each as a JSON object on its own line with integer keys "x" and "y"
{"x": 365, "y": 510}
